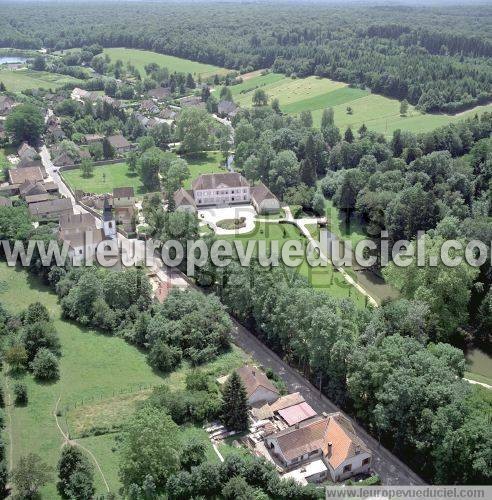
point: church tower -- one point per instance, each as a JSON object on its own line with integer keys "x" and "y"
{"x": 109, "y": 223}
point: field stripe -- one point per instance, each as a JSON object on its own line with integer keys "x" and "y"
{"x": 333, "y": 98}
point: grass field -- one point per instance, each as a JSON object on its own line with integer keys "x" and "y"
{"x": 117, "y": 175}
{"x": 104, "y": 179}
{"x": 208, "y": 163}
{"x": 18, "y": 80}
{"x": 139, "y": 58}
{"x": 93, "y": 368}
{"x": 314, "y": 94}
{"x": 322, "y": 278}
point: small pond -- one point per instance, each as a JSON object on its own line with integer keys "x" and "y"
{"x": 12, "y": 59}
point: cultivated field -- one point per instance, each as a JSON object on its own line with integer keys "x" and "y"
{"x": 101, "y": 379}
{"x": 22, "y": 79}
{"x": 139, "y": 58}
{"x": 313, "y": 94}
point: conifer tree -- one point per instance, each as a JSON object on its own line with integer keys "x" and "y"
{"x": 349, "y": 135}
{"x": 308, "y": 172}
{"x": 235, "y": 404}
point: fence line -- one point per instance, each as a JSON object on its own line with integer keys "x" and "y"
{"x": 101, "y": 397}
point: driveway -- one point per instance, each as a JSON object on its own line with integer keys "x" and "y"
{"x": 213, "y": 215}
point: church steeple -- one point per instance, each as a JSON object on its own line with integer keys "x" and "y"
{"x": 109, "y": 223}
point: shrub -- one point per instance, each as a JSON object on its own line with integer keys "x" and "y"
{"x": 20, "y": 393}
{"x": 45, "y": 365}
{"x": 164, "y": 357}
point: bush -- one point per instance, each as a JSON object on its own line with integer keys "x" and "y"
{"x": 198, "y": 380}
{"x": 192, "y": 454}
{"x": 296, "y": 211}
{"x": 20, "y": 393}
{"x": 186, "y": 406}
{"x": 164, "y": 357}
{"x": 4, "y": 477}
{"x": 45, "y": 365}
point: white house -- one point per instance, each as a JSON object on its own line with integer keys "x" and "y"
{"x": 259, "y": 388}
{"x": 329, "y": 438}
{"x": 221, "y": 189}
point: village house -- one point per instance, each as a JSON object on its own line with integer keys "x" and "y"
{"x": 192, "y": 101}
{"x": 124, "y": 207}
{"x": 227, "y": 109}
{"x": 286, "y": 411}
{"x": 79, "y": 94}
{"x": 149, "y": 106}
{"x": 27, "y": 162}
{"x": 26, "y": 151}
{"x": 184, "y": 201}
{"x": 18, "y": 176}
{"x": 6, "y": 104}
{"x": 329, "y": 441}
{"x": 159, "y": 93}
{"x": 168, "y": 114}
{"x": 259, "y": 388}
{"x": 93, "y": 138}
{"x": 62, "y": 159}
{"x": 51, "y": 210}
{"x": 81, "y": 233}
{"x": 119, "y": 144}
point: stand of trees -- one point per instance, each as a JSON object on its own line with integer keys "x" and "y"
{"x": 437, "y": 61}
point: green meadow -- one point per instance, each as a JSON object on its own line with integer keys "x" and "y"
{"x": 107, "y": 177}
{"x": 104, "y": 179}
{"x": 101, "y": 379}
{"x": 314, "y": 94}
{"x": 139, "y": 58}
{"x": 209, "y": 162}
{"x": 22, "y": 79}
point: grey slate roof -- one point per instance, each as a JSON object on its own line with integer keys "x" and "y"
{"x": 213, "y": 181}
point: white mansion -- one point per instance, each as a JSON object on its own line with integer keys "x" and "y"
{"x": 224, "y": 189}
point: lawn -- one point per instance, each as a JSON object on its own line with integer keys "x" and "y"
{"x": 314, "y": 94}
{"x": 323, "y": 278}
{"x": 22, "y": 79}
{"x": 93, "y": 367}
{"x": 104, "y": 179}
{"x": 139, "y": 58}
{"x": 207, "y": 163}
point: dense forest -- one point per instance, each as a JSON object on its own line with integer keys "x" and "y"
{"x": 436, "y": 58}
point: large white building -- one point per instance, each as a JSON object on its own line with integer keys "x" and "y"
{"x": 221, "y": 189}
{"x": 225, "y": 189}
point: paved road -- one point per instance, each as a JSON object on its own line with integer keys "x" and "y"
{"x": 52, "y": 172}
{"x": 391, "y": 470}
